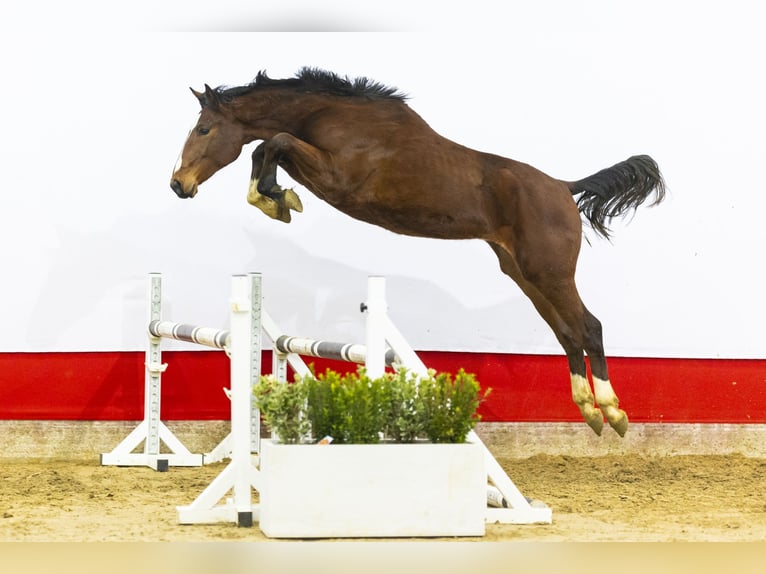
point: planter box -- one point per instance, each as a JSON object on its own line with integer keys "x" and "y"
{"x": 384, "y": 490}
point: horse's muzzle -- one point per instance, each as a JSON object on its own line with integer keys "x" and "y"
{"x": 178, "y": 188}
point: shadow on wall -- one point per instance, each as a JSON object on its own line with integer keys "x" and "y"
{"x": 319, "y": 297}
{"x": 95, "y": 295}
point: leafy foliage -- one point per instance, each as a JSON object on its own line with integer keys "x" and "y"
{"x": 350, "y": 408}
{"x": 449, "y": 406}
{"x": 283, "y": 406}
{"x": 355, "y": 409}
{"x": 405, "y": 416}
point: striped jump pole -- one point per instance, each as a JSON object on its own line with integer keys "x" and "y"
{"x": 152, "y": 431}
{"x": 375, "y": 355}
{"x": 385, "y": 345}
{"x": 206, "y": 336}
{"x": 349, "y": 352}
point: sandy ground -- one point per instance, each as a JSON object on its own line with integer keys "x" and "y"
{"x": 609, "y": 498}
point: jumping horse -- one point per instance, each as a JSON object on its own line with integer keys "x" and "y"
{"x": 357, "y": 145}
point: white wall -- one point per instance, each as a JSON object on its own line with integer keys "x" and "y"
{"x": 94, "y": 118}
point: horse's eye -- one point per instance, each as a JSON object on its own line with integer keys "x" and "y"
{"x": 203, "y": 131}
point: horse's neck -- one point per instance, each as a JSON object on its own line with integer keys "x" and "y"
{"x": 266, "y": 115}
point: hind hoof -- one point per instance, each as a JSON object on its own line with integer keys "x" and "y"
{"x": 620, "y": 422}
{"x": 596, "y": 422}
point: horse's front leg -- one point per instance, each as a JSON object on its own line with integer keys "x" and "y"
{"x": 277, "y": 202}
{"x": 301, "y": 159}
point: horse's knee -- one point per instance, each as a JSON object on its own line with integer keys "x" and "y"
{"x": 274, "y": 148}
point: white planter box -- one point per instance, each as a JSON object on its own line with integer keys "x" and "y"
{"x": 385, "y": 490}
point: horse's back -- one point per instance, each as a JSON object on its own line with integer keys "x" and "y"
{"x": 399, "y": 173}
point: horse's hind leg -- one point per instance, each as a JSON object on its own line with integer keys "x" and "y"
{"x": 605, "y": 395}
{"x": 578, "y": 332}
{"x": 581, "y": 391}
{"x": 585, "y": 332}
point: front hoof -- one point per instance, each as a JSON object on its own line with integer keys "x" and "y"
{"x": 292, "y": 201}
{"x": 265, "y": 204}
{"x": 283, "y": 215}
{"x": 253, "y": 197}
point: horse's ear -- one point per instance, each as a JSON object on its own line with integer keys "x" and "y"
{"x": 208, "y": 98}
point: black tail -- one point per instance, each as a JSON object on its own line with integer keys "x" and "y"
{"x": 614, "y": 191}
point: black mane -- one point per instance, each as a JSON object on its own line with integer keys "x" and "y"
{"x": 316, "y": 80}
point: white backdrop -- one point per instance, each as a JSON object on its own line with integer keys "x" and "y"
{"x": 94, "y": 118}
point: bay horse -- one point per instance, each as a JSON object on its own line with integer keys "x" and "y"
{"x": 357, "y": 145}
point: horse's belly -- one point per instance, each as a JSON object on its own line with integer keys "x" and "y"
{"x": 420, "y": 222}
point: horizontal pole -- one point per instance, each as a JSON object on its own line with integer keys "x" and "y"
{"x": 350, "y": 352}
{"x": 207, "y": 336}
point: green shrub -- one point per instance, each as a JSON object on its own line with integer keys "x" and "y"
{"x": 355, "y": 409}
{"x": 405, "y": 418}
{"x": 283, "y": 407}
{"x": 351, "y": 408}
{"x": 449, "y": 406}
{"x": 324, "y": 408}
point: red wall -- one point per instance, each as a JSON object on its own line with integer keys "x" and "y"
{"x": 525, "y": 388}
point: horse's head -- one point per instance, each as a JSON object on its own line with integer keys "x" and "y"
{"x": 215, "y": 141}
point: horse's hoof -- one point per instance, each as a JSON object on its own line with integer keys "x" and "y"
{"x": 596, "y": 421}
{"x": 266, "y": 204}
{"x": 292, "y": 201}
{"x": 253, "y": 196}
{"x": 284, "y": 214}
{"x": 620, "y": 422}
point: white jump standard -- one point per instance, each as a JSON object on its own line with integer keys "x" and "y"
{"x": 240, "y": 476}
{"x": 385, "y": 345}
{"x": 152, "y": 431}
